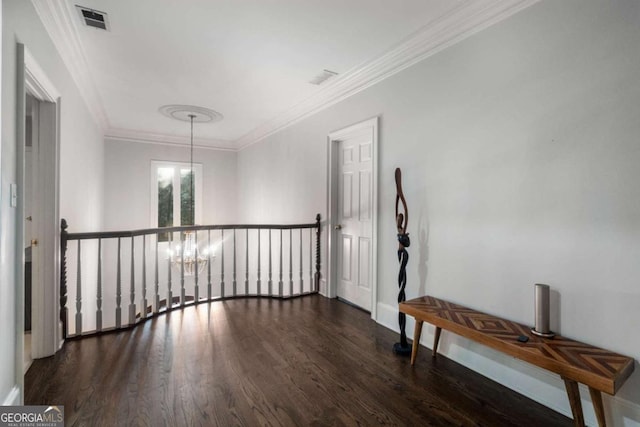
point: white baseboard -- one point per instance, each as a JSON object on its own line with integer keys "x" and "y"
{"x": 537, "y": 384}
{"x": 324, "y": 291}
{"x": 13, "y": 398}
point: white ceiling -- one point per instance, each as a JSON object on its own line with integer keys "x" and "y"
{"x": 250, "y": 60}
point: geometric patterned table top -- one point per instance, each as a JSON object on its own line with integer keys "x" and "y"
{"x": 595, "y": 367}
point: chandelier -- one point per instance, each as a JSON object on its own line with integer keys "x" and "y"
{"x": 188, "y": 254}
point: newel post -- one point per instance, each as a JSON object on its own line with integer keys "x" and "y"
{"x": 63, "y": 276}
{"x": 317, "y": 275}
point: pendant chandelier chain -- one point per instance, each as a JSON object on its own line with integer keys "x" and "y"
{"x": 193, "y": 214}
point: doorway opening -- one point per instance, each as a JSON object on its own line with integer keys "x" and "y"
{"x": 37, "y": 229}
{"x": 353, "y": 214}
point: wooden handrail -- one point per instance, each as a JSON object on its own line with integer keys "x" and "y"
{"x": 147, "y": 231}
{"x": 314, "y": 271}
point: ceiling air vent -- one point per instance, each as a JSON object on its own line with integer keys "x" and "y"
{"x": 322, "y": 77}
{"x": 93, "y": 18}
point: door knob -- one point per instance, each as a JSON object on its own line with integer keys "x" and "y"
{"x": 338, "y": 227}
{"x": 34, "y": 242}
{"x": 29, "y": 218}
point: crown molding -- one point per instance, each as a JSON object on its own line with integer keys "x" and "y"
{"x": 469, "y": 18}
{"x": 129, "y": 135}
{"x": 58, "y": 21}
{"x": 461, "y": 22}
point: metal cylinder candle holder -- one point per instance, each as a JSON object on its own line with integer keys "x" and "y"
{"x": 541, "y": 299}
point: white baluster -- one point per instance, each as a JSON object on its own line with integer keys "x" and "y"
{"x": 235, "y": 290}
{"x": 259, "y": 284}
{"x": 196, "y": 290}
{"x": 280, "y": 284}
{"x": 182, "y": 245}
{"x": 118, "y": 289}
{"x": 290, "y": 263}
{"x": 246, "y": 277}
{"x": 311, "y": 259}
{"x": 79, "y": 293}
{"x": 99, "y": 290}
{"x": 132, "y": 293}
{"x": 301, "y": 280}
{"x": 209, "y": 265}
{"x": 156, "y": 296}
{"x": 169, "y": 292}
{"x": 143, "y": 309}
{"x": 222, "y": 290}
{"x": 270, "y": 283}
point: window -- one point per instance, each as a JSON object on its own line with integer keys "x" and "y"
{"x": 171, "y": 194}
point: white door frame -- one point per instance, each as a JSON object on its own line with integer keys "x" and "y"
{"x": 332, "y": 207}
{"x": 46, "y": 329}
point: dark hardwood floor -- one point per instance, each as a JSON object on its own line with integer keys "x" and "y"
{"x": 310, "y": 362}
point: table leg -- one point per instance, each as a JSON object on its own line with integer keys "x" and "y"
{"x": 574, "y": 399}
{"x": 436, "y": 340}
{"x": 596, "y": 398}
{"x": 417, "y": 331}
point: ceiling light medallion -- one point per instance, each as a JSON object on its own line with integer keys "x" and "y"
{"x": 184, "y": 113}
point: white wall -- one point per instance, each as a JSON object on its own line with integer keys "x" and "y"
{"x": 127, "y": 183}
{"x": 283, "y": 179}
{"x": 519, "y": 150}
{"x": 81, "y": 171}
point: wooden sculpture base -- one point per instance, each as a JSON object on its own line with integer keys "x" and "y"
{"x": 401, "y": 350}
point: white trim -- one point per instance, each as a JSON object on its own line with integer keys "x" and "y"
{"x": 459, "y": 24}
{"x": 332, "y": 191}
{"x": 332, "y": 168}
{"x": 18, "y": 244}
{"x": 143, "y": 137}
{"x": 388, "y": 317}
{"x": 323, "y": 287}
{"x": 36, "y": 81}
{"x": 621, "y": 410}
{"x": 13, "y": 397}
{"x": 59, "y": 20}
{"x": 45, "y": 307}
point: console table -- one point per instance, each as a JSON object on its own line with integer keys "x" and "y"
{"x": 601, "y": 370}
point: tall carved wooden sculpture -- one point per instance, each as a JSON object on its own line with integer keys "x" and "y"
{"x": 402, "y": 348}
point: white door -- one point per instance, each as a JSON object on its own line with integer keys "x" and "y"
{"x": 354, "y": 224}
{"x": 30, "y": 236}
{"x": 45, "y": 231}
